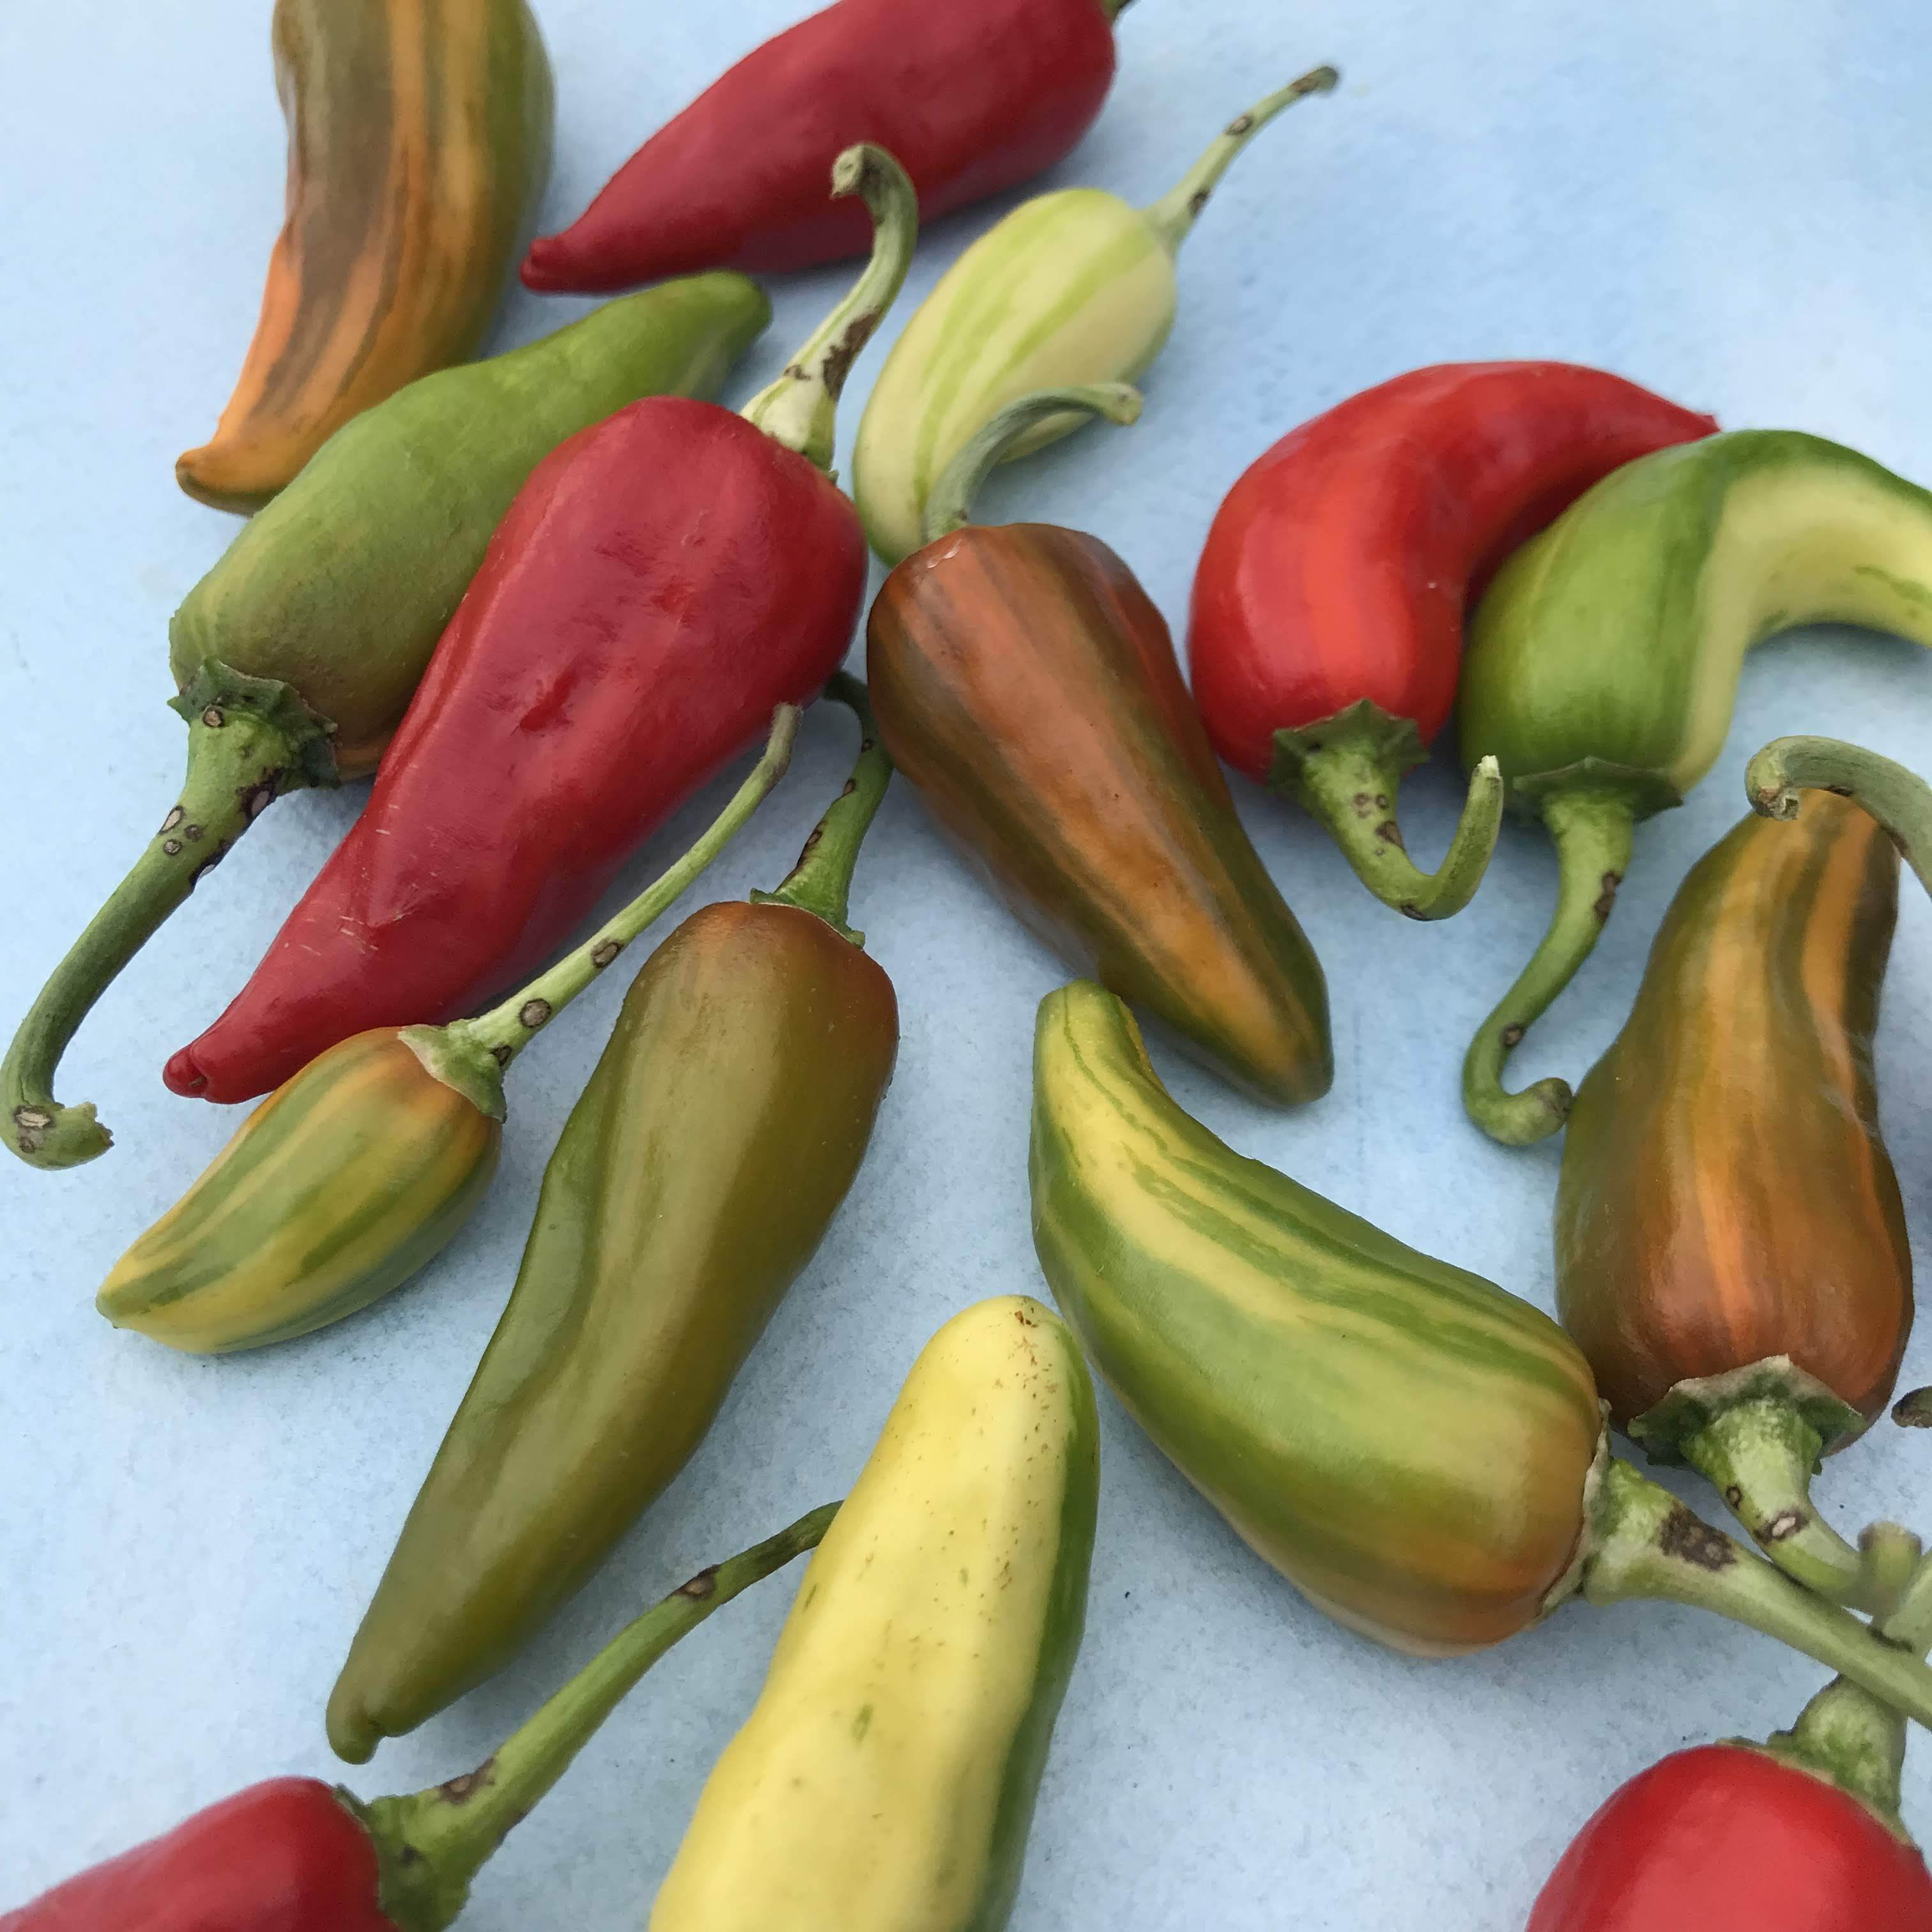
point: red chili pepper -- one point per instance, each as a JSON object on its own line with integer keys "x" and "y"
{"x": 1327, "y": 632}
{"x": 1801, "y": 1834}
{"x": 972, "y": 99}
{"x": 294, "y": 1854}
{"x": 663, "y": 580}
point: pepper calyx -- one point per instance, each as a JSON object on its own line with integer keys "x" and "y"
{"x": 1345, "y": 772}
{"x": 1668, "y": 1428}
{"x": 217, "y": 695}
{"x": 1643, "y": 792}
{"x": 460, "y": 1064}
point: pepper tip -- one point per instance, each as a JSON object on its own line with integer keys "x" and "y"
{"x": 182, "y": 1074}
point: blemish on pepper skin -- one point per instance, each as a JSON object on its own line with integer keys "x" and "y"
{"x": 256, "y": 798}
{"x": 213, "y": 718}
{"x": 1606, "y": 903}
{"x": 532, "y": 1013}
{"x": 1685, "y": 1535}
{"x": 500, "y": 1054}
{"x": 190, "y": 832}
{"x": 1197, "y": 200}
{"x": 1409, "y": 910}
{"x": 207, "y": 865}
{"x": 1512, "y": 1034}
{"x": 1240, "y": 126}
{"x": 861, "y": 1724}
{"x": 1735, "y": 1497}
{"x": 840, "y": 357}
{"x": 459, "y": 1790}
{"x": 1389, "y": 833}
{"x": 173, "y": 819}
{"x": 172, "y": 847}
{"x": 605, "y": 953}
{"x": 1363, "y": 803}
{"x": 1785, "y": 1524}
{"x": 700, "y": 1586}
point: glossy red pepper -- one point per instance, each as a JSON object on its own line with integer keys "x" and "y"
{"x": 294, "y": 1855}
{"x": 662, "y": 581}
{"x": 972, "y": 99}
{"x": 1327, "y": 630}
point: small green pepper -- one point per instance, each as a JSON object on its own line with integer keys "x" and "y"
{"x": 1074, "y": 287}
{"x": 693, "y": 1181}
{"x": 1418, "y": 1452}
{"x": 1603, "y": 666}
{"x": 885, "y": 1781}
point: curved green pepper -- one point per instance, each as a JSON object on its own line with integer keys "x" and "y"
{"x": 1603, "y": 666}
{"x": 693, "y": 1181}
{"x": 1731, "y": 1249}
{"x": 1418, "y": 1452}
{"x": 1074, "y": 287}
{"x": 296, "y": 655}
{"x": 886, "y": 1780}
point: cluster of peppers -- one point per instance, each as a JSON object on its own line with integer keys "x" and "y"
{"x": 458, "y": 567}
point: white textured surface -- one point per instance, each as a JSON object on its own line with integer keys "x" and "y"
{"x": 1726, "y": 203}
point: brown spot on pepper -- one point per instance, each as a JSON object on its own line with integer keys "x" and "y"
{"x": 1363, "y": 803}
{"x": 213, "y": 718}
{"x": 207, "y": 865}
{"x": 605, "y": 953}
{"x": 173, "y": 819}
{"x": 32, "y": 1120}
{"x": 459, "y": 1790}
{"x": 1607, "y": 901}
{"x": 1240, "y": 125}
{"x": 1389, "y": 833}
{"x": 1783, "y": 1526}
{"x": 1686, "y": 1536}
{"x": 1512, "y": 1035}
{"x": 532, "y": 1013}
{"x": 500, "y": 1054}
{"x": 190, "y": 832}
{"x": 700, "y": 1586}
{"x": 172, "y": 847}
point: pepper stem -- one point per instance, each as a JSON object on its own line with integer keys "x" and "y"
{"x": 801, "y": 409}
{"x": 250, "y": 739}
{"x": 505, "y": 1031}
{"x": 1899, "y": 800}
{"x": 821, "y": 881}
{"x": 949, "y": 507}
{"x": 431, "y": 1845}
{"x": 1345, "y": 772}
{"x": 1847, "y": 1736}
{"x": 1641, "y": 1542}
{"x": 1173, "y": 217}
{"x": 1593, "y": 829}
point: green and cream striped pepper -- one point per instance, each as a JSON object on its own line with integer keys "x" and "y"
{"x": 886, "y": 1780}
{"x": 1603, "y": 666}
{"x": 1073, "y": 287}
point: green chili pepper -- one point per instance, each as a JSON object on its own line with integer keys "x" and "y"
{"x": 1074, "y": 287}
{"x": 886, "y": 1780}
{"x": 1731, "y": 1250}
{"x": 1603, "y": 666}
{"x": 355, "y": 1173}
{"x": 1419, "y": 1453}
{"x": 694, "y": 1180}
{"x": 296, "y": 655}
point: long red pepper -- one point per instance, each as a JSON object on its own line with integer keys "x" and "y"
{"x": 294, "y": 1855}
{"x": 662, "y": 581}
{"x": 973, "y": 99}
{"x": 1801, "y": 1835}
{"x": 1327, "y": 632}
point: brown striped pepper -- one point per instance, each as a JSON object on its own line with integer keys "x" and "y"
{"x": 419, "y": 143}
{"x": 1731, "y": 1250}
{"x": 1027, "y": 687}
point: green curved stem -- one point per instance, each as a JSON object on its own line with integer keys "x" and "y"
{"x": 821, "y": 882}
{"x": 503, "y": 1032}
{"x": 949, "y": 507}
{"x": 250, "y": 740}
{"x": 1899, "y": 800}
{"x": 429, "y": 1846}
{"x": 1345, "y": 773}
{"x": 1173, "y": 217}
{"x": 1641, "y": 1542}
{"x": 1593, "y": 830}
{"x": 801, "y": 409}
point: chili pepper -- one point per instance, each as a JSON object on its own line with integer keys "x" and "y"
{"x": 355, "y": 1173}
{"x": 1417, "y": 1451}
{"x": 887, "y": 1777}
{"x": 1801, "y": 1834}
{"x": 1603, "y": 665}
{"x": 419, "y": 143}
{"x": 294, "y": 1855}
{"x": 973, "y": 99}
{"x": 663, "y": 580}
{"x": 1027, "y": 686}
{"x": 1072, "y": 287}
{"x": 1326, "y": 628}
{"x": 1731, "y": 1250}
{"x": 297, "y": 654}
{"x": 691, "y": 1186}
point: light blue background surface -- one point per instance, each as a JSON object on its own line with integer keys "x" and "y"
{"x": 1728, "y": 202}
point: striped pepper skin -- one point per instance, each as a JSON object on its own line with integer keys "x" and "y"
{"x": 757, "y": 1043}
{"x": 1026, "y": 684}
{"x": 419, "y": 144}
{"x": 1726, "y": 1195}
{"x": 339, "y": 1186}
{"x": 1602, "y": 663}
{"x": 1077, "y": 286}
{"x": 1405, "y": 1442}
{"x": 343, "y": 585}
{"x": 887, "y": 1777}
